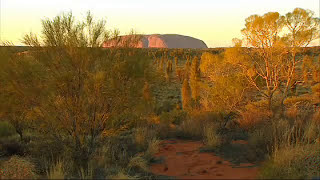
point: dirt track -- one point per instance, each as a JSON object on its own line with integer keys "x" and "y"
{"x": 182, "y": 160}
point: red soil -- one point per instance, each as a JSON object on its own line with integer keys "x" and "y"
{"x": 184, "y": 161}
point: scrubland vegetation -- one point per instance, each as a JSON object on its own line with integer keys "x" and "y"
{"x": 71, "y": 109}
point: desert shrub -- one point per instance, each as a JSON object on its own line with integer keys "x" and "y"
{"x": 17, "y": 168}
{"x": 316, "y": 117}
{"x": 165, "y": 106}
{"x": 45, "y": 150}
{"x": 312, "y": 132}
{"x": 299, "y": 107}
{"x": 116, "y": 151}
{"x": 142, "y": 137}
{"x": 211, "y": 137}
{"x": 173, "y": 117}
{"x": 6, "y": 129}
{"x": 293, "y": 162}
{"x": 164, "y": 131}
{"x": 254, "y": 114}
{"x": 267, "y": 137}
{"x": 193, "y": 126}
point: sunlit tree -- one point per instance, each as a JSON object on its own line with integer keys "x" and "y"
{"x": 262, "y": 33}
{"x": 85, "y": 86}
{"x": 195, "y": 78}
{"x": 186, "y": 95}
{"x": 303, "y": 28}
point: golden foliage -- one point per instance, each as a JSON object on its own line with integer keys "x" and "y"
{"x": 255, "y": 113}
{"x": 186, "y": 95}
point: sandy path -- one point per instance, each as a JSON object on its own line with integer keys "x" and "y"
{"x": 182, "y": 159}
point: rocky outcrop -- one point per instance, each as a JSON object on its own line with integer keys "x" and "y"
{"x": 157, "y": 41}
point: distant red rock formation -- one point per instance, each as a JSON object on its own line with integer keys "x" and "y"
{"x": 156, "y": 41}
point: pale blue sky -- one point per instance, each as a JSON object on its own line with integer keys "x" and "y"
{"x": 215, "y": 22}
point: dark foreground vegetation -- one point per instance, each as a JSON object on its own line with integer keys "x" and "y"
{"x": 70, "y": 109}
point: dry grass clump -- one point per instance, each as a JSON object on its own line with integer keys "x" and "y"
{"x": 194, "y": 125}
{"x": 141, "y": 160}
{"x": 211, "y": 137}
{"x": 316, "y": 117}
{"x": 56, "y": 171}
{"x": 293, "y": 162}
{"x": 17, "y": 168}
{"x": 153, "y": 148}
{"x": 138, "y": 162}
{"x": 142, "y": 137}
{"x": 121, "y": 175}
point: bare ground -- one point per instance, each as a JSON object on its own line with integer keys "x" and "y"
{"x": 183, "y": 160}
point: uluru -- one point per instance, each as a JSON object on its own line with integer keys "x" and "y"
{"x": 157, "y": 41}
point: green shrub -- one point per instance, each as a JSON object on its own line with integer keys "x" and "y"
{"x": 17, "y": 168}
{"x": 6, "y": 129}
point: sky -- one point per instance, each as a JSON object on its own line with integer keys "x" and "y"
{"x": 216, "y": 22}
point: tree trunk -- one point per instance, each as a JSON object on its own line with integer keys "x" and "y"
{"x": 269, "y": 100}
{"x": 20, "y": 134}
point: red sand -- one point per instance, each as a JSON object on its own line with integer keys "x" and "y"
{"x": 184, "y": 161}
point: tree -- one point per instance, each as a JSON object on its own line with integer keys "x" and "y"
{"x": 262, "y": 33}
{"x": 19, "y": 89}
{"x": 271, "y": 61}
{"x": 195, "y": 78}
{"x": 303, "y": 28}
{"x": 85, "y": 86}
{"x": 146, "y": 92}
{"x": 176, "y": 62}
{"x": 186, "y": 95}
{"x": 227, "y": 89}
